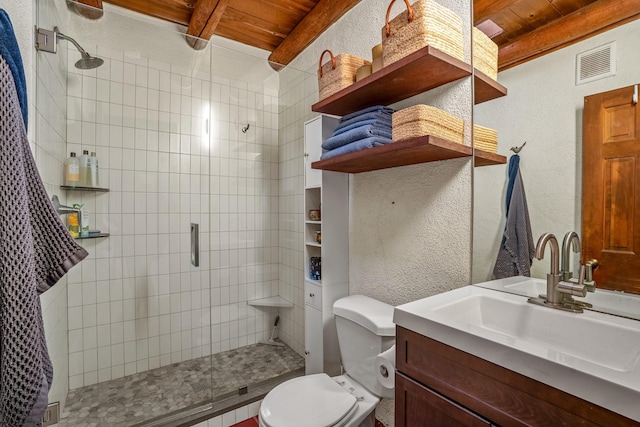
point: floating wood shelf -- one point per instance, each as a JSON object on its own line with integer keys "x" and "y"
{"x": 276, "y": 301}
{"x": 416, "y": 73}
{"x": 485, "y": 88}
{"x": 484, "y": 158}
{"x": 412, "y": 151}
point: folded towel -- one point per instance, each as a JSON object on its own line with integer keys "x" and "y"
{"x": 383, "y": 121}
{"x": 356, "y": 134}
{"x": 382, "y": 116}
{"x": 374, "y": 141}
{"x": 364, "y": 111}
{"x": 10, "y": 51}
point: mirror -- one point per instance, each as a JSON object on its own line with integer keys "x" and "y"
{"x": 544, "y": 108}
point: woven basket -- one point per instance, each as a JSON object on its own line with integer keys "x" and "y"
{"x": 425, "y": 23}
{"x": 485, "y": 54}
{"x": 485, "y": 139}
{"x": 421, "y": 120}
{"x": 337, "y": 74}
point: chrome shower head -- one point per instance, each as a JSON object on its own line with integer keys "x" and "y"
{"x": 88, "y": 62}
{"x": 47, "y": 40}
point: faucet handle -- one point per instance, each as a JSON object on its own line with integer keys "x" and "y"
{"x": 588, "y": 281}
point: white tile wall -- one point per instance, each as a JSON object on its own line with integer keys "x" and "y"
{"x": 298, "y": 91}
{"x": 171, "y": 152}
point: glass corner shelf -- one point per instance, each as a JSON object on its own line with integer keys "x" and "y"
{"x": 92, "y": 236}
{"x": 80, "y": 188}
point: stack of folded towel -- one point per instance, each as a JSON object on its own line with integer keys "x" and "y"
{"x": 366, "y": 128}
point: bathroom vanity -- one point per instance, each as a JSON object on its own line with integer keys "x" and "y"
{"x": 458, "y": 364}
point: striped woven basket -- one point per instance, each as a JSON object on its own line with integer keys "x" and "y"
{"x": 420, "y": 120}
{"x": 485, "y": 54}
{"x": 338, "y": 73}
{"x": 425, "y": 23}
{"x": 485, "y": 139}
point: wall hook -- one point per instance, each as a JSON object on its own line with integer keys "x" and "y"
{"x": 245, "y": 129}
{"x": 517, "y": 149}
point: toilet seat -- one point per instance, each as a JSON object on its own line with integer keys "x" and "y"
{"x": 314, "y": 400}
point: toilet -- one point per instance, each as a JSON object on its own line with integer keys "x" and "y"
{"x": 365, "y": 329}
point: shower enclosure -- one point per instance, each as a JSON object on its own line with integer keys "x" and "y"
{"x": 136, "y": 332}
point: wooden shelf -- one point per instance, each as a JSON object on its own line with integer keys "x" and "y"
{"x": 416, "y": 73}
{"x": 484, "y": 158}
{"x": 276, "y": 301}
{"x": 96, "y": 189}
{"x": 402, "y": 153}
{"x": 485, "y": 88}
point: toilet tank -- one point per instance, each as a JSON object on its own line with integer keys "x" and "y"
{"x": 365, "y": 329}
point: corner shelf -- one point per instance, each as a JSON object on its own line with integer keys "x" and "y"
{"x": 276, "y": 301}
{"x": 78, "y": 188}
{"x": 418, "y": 72}
{"x": 92, "y": 236}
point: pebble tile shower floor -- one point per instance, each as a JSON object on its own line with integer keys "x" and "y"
{"x": 140, "y": 397}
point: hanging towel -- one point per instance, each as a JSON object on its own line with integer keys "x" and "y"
{"x": 517, "y": 248}
{"x": 362, "y": 144}
{"x": 356, "y": 134}
{"x": 10, "y": 51}
{"x": 35, "y": 251}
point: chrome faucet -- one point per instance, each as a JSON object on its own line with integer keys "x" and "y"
{"x": 570, "y": 238}
{"x": 556, "y": 287}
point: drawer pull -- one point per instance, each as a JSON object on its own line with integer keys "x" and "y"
{"x": 312, "y": 295}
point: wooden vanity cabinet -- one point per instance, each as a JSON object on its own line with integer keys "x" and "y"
{"x": 438, "y": 385}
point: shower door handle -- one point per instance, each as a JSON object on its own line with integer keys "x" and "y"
{"x": 195, "y": 244}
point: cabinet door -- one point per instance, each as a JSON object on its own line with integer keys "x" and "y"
{"x": 313, "y": 340}
{"x": 417, "y": 406}
{"x": 312, "y": 152}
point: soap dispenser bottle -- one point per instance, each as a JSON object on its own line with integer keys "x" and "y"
{"x": 72, "y": 171}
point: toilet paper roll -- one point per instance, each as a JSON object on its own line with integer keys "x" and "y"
{"x": 386, "y": 368}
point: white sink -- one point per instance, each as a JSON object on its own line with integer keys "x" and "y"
{"x": 592, "y": 355}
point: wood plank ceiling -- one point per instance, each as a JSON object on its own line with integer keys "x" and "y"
{"x": 286, "y": 27}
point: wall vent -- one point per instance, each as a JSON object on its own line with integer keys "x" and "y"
{"x": 596, "y": 64}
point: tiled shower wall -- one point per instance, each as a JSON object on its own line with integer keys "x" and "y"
{"x": 171, "y": 152}
{"x": 298, "y": 91}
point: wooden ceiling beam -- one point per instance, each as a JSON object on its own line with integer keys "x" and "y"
{"x": 483, "y": 9}
{"x": 593, "y": 19}
{"x": 95, "y": 10}
{"x": 204, "y": 20}
{"x": 321, "y": 17}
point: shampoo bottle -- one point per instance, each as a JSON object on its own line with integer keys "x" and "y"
{"x": 84, "y": 169}
{"x": 93, "y": 171}
{"x": 72, "y": 171}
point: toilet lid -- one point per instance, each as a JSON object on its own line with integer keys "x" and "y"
{"x": 311, "y": 400}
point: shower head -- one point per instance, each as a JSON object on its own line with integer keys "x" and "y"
{"x": 87, "y": 61}
{"x": 47, "y": 41}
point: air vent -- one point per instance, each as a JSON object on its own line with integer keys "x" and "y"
{"x": 596, "y": 64}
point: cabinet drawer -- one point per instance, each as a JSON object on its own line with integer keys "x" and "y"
{"x": 313, "y": 295}
{"x": 417, "y": 405}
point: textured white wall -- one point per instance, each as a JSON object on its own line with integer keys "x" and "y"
{"x": 543, "y": 107}
{"x": 419, "y": 245}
